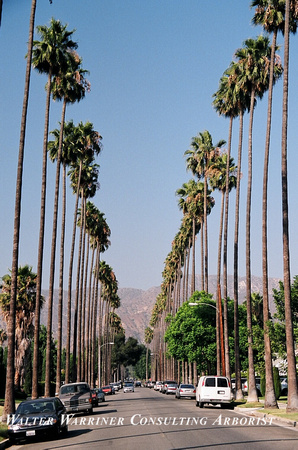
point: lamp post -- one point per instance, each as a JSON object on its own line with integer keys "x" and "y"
{"x": 99, "y": 361}
{"x": 219, "y": 312}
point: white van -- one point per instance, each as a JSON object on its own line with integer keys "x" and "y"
{"x": 214, "y": 390}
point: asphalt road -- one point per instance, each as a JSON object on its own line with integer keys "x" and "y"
{"x": 150, "y": 420}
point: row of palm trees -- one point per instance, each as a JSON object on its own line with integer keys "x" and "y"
{"x": 254, "y": 72}
{"x": 74, "y": 148}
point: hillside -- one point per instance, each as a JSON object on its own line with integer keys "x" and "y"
{"x": 137, "y": 304}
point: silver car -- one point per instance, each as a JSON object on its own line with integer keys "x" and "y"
{"x": 185, "y": 390}
{"x": 128, "y": 387}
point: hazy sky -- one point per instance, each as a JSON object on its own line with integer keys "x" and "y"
{"x": 154, "y": 66}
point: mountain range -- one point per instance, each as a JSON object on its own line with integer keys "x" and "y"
{"x": 136, "y": 304}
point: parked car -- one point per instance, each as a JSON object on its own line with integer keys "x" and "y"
{"x": 171, "y": 388}
{"x": 284, "y": 386}
{"x": 165, "y": 385}
{"x": 258, "y": 386}
{"x": 76, "y": 397}
{"x": 108, "y": 390}
{"x": 151, "y": 384}
{"x": 213, "y": 390}
{"x": 128, "y": 387}
{"x": 115, "y": 386}
{"x": 157, "y": 385}
{"x": 97, "y": 396}
{"x": 185, "y": 390}
{"x": 34, "y": 418}
{"x": 233, "y": 383}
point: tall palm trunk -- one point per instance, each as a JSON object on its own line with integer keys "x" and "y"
{"x": 218, "y": 283}
{"x": 83, "y": 340}
{"x": 239, "y": 393}
{"x": 61, "y": 278}
{"x": 225, "y": 255}
{"x": 270, "y": 398}
{"x": 193, "y": 278}
{"x": 80, "y": 284}
{"x": 9, "y": 404}
{"x": 292, "y": 377}
{"x": 53, "y": 259}
{"x": 41, "y": 235}
{"x": 202, "y": 257}
{"x": 76, "y": 362}
{"x": 252, "y": 393}
{"x": 206, "y": 233}
{"x": 67, "y": 368}
{"x": 89, "y": 319}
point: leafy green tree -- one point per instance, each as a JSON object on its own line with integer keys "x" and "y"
{"x": 140, "y": 367}
{"x": 191, "y": 335}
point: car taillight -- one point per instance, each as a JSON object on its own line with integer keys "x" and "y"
{"x": 90, "y": 400}
{"x": 194, "y": 391}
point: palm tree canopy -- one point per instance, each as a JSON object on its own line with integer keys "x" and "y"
{"x": 52, "y": 53}
{"x": 202, "y": 153}
{"x": 71, "y": 85}
{"x": 254, "y": 62}
{"x": 271, "y": 15}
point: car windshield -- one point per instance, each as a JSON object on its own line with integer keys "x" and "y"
{"x": 74, "y": 388}
{"x": 187, "y": 386}
{"x": 36, "y": 407}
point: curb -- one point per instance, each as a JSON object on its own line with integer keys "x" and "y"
{"x": 258, "y": 413}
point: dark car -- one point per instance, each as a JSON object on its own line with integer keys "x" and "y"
{"x": 97, "y": 396}
{"x": 34, "y": 418}
{"x": 76, "y": 397}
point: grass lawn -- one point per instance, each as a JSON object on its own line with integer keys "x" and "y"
{"x": 272, "y": 412}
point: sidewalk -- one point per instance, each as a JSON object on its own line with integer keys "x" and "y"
{"x": 259, "y": 412}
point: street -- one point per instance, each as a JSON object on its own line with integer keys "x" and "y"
{"x": 146, "y": 419}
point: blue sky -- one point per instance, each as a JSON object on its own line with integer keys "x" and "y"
{"x": 154, "y": 66}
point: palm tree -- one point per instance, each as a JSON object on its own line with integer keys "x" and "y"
{"x": 70, "y": 86}
{"x": 9, "y": 404}
{"x": 191, "y": 203}
{"x": 253, "y": 60}
{"x": 219, "y": 181}
{"x": 270, "y": 14}
{"x": 50, "y": 56}
{"x": 237, "y": 95}
{"x": 68, "y": 155}
{"x": 292, "y": 377}
{"x": 87, "y": 144}
{"x": 199, "y": 159}
{"x": 85, "y": 177}
{"x": 148, "y": 336}
{"x": 25, "y": 307}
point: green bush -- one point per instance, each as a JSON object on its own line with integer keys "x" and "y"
{"x": 276, "y": 381}
{"x": 263, "y": 385}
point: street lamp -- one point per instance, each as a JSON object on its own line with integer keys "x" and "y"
{"x": 219, "y": 312}
{"x": 99, "y": 361}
